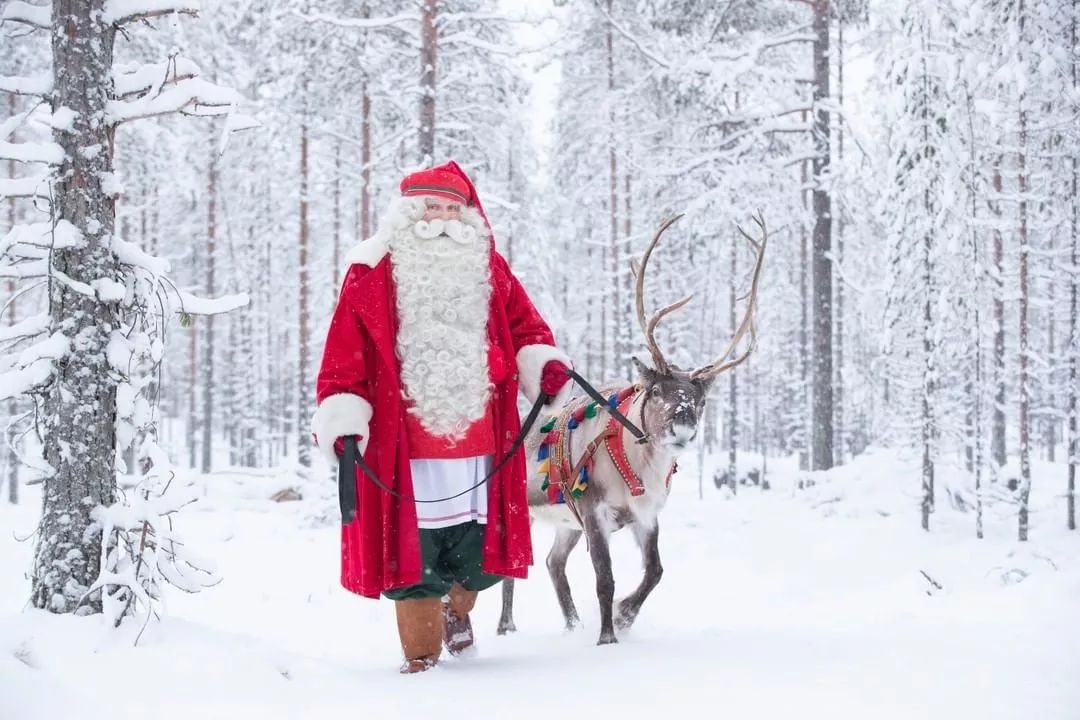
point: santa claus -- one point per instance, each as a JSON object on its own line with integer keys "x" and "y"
{"x": 430, "y": 342}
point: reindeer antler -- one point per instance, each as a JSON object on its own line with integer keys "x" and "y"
{"x": 748, "y": 324}
{"x": 649, "y": 328}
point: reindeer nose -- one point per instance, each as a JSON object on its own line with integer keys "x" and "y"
{"x": 682, "y": 434}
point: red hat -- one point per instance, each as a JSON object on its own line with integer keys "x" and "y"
{"x": 436, "y": 181}
{"x": 447, "y": 180}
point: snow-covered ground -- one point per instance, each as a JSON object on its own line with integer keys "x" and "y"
{"x": 788, "y": 603}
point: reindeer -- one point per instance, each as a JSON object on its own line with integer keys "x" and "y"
{"x": 666, "y": 403}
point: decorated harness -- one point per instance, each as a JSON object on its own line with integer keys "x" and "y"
{"x": 564, "y": 482}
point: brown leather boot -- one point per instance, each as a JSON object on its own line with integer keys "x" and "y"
{"x": 420, "y": 626}
{"x": 456, "y": 607}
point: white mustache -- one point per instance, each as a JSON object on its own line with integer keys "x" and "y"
{"x": 456, "y": 230}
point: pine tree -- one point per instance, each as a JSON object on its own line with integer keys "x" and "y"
{"x": 87, "y": 370}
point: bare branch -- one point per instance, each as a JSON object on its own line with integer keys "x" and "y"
{"x": 151, "y": 77}
{"x": 121, "y": 12}
{"x": 29, "y": 187}
{"x": 662, "y": 62}
{"x": 30, "y": 327}
{"x": 36, "y": 16}
{"x": 394, "y": 22}
{"x": 22, "y": 380}
{"x": 192, "y": 96}
{"x": 193, "y": 305}
{"x": 38, "y": 85}
{"x": 48, "y": 153}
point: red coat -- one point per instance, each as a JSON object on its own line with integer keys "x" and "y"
{"x": 380, "y": 549}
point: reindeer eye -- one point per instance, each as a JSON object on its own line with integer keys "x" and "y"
{"x": 654, "y": 391}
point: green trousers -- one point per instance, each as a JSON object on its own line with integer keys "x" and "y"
{"x": 448, "y": 555}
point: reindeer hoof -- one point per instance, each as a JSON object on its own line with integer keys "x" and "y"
{"x": 506, "y": 627}
{"x": 624, "y": 616}
{"x": 607, "y": 640}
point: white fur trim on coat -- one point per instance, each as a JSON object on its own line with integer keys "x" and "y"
{"x": 338, "y": 416}
{"x": 367, "y": 252}
{"x": 530, "y": 363}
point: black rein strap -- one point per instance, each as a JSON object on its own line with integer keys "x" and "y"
{"x": 354, "y": 458}
{"x": 592, "y": 392}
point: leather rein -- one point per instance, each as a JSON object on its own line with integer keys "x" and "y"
{"x": 353, "y": 458}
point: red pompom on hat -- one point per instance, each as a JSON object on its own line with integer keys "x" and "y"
{"x": 448, "y": 181}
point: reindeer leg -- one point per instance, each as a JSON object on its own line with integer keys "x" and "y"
{"x": 648, "y": 541}
{"x": 565, "y": 540}
{"x": 605, "y": 580}
{"x": 506, "y": 620}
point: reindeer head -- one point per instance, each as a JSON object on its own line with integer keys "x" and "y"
{"x": 674, "y": 398}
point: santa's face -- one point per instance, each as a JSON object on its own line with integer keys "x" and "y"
{"x": 437, "y": 208}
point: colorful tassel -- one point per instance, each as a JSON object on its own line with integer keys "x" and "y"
{"x": 549, "y": 425}
{"x": 581, "y": 484}
{"x": 572, "y": 423}
{"x": 543, "y": 468}
{"x": 590, "y": 410}
{"x": 542, "y": 452}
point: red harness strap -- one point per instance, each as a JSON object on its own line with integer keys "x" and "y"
{"x": 616, "y": 448}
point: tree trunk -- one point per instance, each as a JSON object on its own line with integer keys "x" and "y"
{"x": 79, "y": 417}
{"x": 365, "y": 163}
{"x": 1024, "y": 380}
{"x": 804, "y": 326}
{"x": 509, "y": 242}
{"x": 303, "y": 447}
{"x": 254, "y": 378}
{"x": 733, "y": 397}
{"x": 997, "y": 436}
{"x": 11, "y": 462}
{"x": 822, "y": 407}
{"x": 1074, "y": 330}
{"x": 627, "y": 287}
{"x": 928, "y": 424}
{"x": 838, "y": 415}
{"x": 337, "y": 217}
{"x": 211, "y": 289}
{"x": 428, "y": 45}
{"x": 974, "y": 389}
{"x": 1050, "y": 400}
{"x": 613, "y": 203}
{"x": 193, "y": 384}
{"x": 272, "y": 372}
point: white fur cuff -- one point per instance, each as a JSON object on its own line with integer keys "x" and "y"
{"x": 530, "y": 363}
{"x": 338, "y": 416}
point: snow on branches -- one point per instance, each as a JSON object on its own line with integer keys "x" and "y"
{"x": 110, "y": 302}
{"x": 36, "y": 16}
{"x": 120, "y": 12}
{"x": 141, "y": 550}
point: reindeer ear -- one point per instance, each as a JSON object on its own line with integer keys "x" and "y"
{"x": 647, "y": 374}
{"x": 705, "y": 385}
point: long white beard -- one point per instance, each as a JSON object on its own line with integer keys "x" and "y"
{"x": 443, "y": 289}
